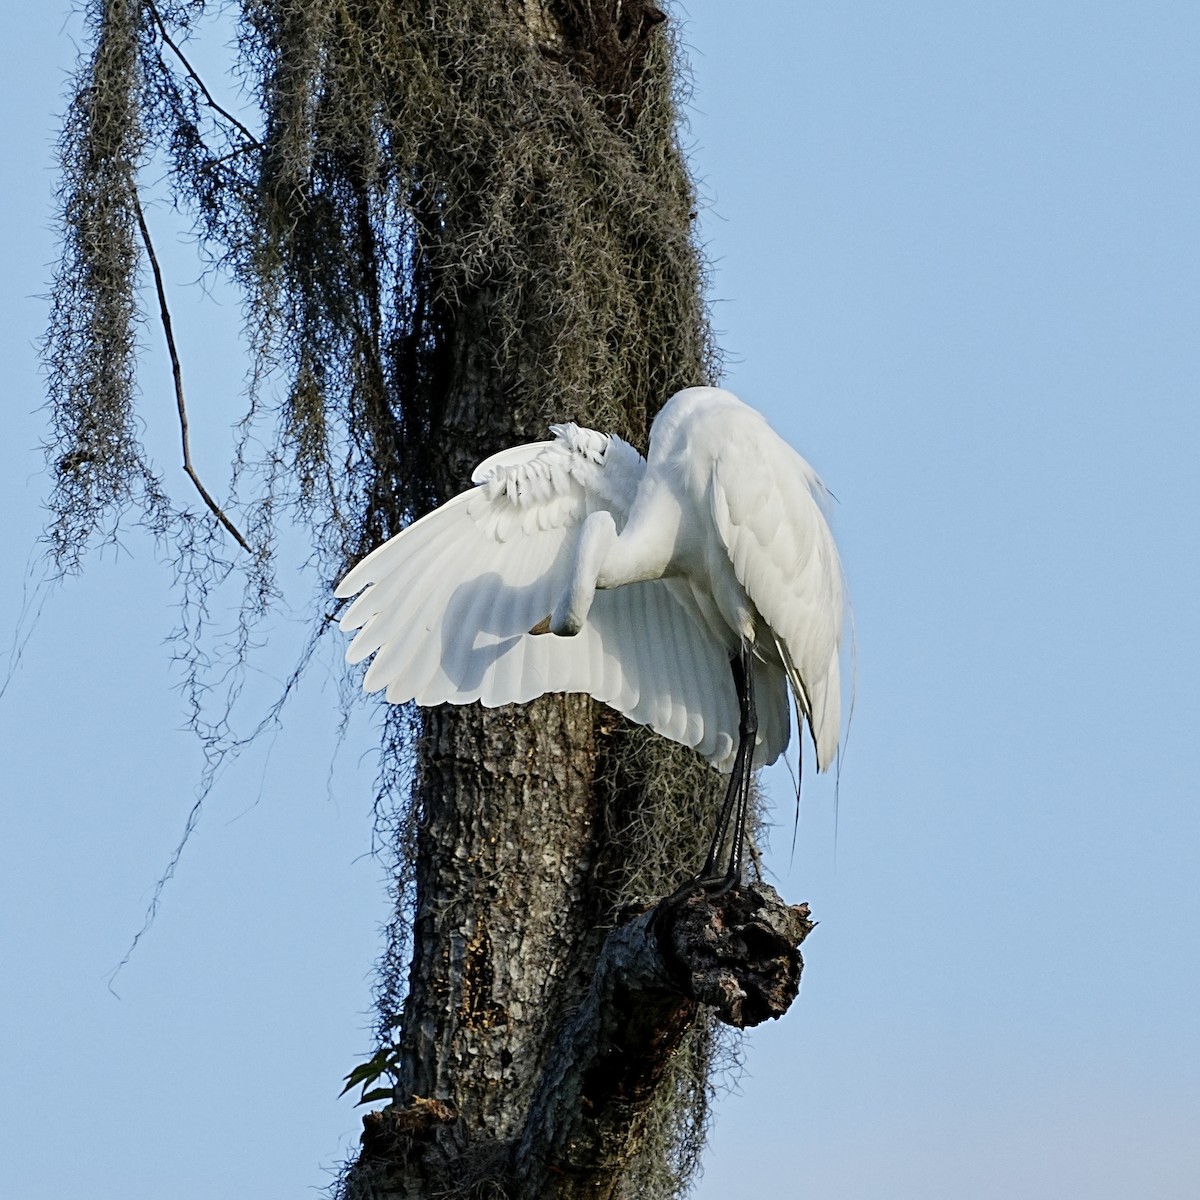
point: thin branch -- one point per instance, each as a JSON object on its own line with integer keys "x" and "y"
{"x": 195, "y": 77}
{"x": 177, "y": 372}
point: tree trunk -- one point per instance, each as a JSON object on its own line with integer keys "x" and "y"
{"x": 535, "y": 1037}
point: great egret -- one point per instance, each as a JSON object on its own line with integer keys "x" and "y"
{"x": 658, "y": 575}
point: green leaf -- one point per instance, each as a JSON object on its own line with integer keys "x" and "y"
{"x": 366, "y": 1073}
{"x": 377, "y": 1094}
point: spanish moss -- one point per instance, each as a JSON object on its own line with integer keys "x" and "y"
{"x": 427, "y": 206}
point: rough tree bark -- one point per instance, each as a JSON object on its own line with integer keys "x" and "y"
{"x": 533, "y": 1037}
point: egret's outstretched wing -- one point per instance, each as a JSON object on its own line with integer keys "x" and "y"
{"x": 763, "y": 497}
{"x": 448, "y": 602}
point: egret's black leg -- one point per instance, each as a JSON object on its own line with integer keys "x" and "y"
{"x": 737, "y": 794}
{"x": 709, "y": 870}
{"x": 747, "y": 737}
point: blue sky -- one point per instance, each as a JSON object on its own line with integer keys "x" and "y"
{"x": 955, "y": 255}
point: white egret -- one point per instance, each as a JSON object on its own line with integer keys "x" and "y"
{"x": 659, "y": 575}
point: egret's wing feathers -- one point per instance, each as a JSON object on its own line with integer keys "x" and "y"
{"x": 713, "y": 673}
{"x": 448, "y": 602}
{"x": 649, "y": 659}
{"x": 763, "y": 498}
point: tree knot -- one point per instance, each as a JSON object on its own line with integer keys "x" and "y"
{"x": 737, "y": 952}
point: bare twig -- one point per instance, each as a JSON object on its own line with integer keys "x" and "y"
{"x": 177, "y": 373}
{"x": 195, "y": 77}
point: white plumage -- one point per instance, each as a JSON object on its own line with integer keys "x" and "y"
{"x": 658, "y": 567}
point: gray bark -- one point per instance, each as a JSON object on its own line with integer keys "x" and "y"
{"x": 738, "y": 953}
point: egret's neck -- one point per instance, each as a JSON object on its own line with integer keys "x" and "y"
{"x": 597, "y": 537}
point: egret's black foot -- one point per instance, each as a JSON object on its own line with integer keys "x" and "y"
{"x": 711, "y": 885}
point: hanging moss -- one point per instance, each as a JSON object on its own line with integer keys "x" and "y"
{"x": 97, "y": 465}
{"x": 426, "y": 182}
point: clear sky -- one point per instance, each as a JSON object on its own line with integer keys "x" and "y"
{"x": 955, "y": 257}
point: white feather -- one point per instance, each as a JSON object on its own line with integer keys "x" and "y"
{"x": 717, "y": 537}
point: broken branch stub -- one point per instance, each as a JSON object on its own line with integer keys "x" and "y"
{"x": 738, "y": 952}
